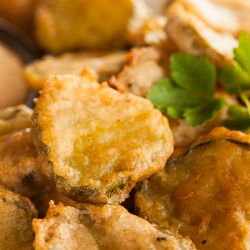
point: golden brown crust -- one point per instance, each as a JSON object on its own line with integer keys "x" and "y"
{"x": 101, "y": 227}
{"x": 223, "y": 133}
{"x": 203, "y": 192}
{"x": 98, "y": 142}
{"x": 17, "y": 213}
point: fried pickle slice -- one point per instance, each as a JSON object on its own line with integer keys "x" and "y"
{"x": 101, "y": 227}
{"x": 98, "y": 142}
{"x": 20, "y": 167}
{"x": 192, "y": 35}
{"x": 132, "y": 78}
{"x": 231, "y": 16}
{"x": 203, "y": 192}
{"x": 17, "y": 214}
{"x": 104, "y": 64}
{"x": 15, "y": 118}
{"x": 85, "y": 24}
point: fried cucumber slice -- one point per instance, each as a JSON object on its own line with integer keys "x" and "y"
{"x": 20, "y": 167}
{"x": 98, "y": 143}
{"x": 192, "y": 35}
{"x": 231, "y": 16}
{"x": 85, "y": 24}
{"x": 17, "y": 214}
{"x": 132, "y": 78}
{"x": 101, "y": 227}
{"x": 203, "y": 192}
{"x": 104, "y": 64}
{"x": 14, "y": 119}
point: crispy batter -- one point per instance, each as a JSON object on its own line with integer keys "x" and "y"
{"x": 101, "y": 227}
{"x": 203, "y": 192}
{"x": 192, "y": 35}
{"x": 141, "y": 72}
{"x": 17, "y": 213}
{"x": 105, "y": 64}
{"x": 101, "y": 23}
{"x": 98, "y": 142}
{"x": 20, "y": 168}
{"x": 14, "y": 119}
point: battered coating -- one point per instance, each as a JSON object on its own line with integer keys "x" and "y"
{"x": 17, "y": 213}
{"x": 98, "y": 143}
{"x": 101, "y": 228}
{"x": 203, "y": 192}
{"x": 20, "y": 168}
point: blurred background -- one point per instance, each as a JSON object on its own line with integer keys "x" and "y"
{"x": 39, "y": 38}
{"x": 21, "y": 41}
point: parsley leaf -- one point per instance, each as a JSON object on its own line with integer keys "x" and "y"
{"x": 198, "y": 115}
{"x": 165, "y": 93}
{"x": 239, "y": 118}
{"x": 242, "y": 53}
{"x": 193, "y": 73}
{"x": 236, "y": 78}
{"x": 189, "y": 91}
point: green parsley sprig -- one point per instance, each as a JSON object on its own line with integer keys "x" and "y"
{"x": 236, "y": 80}
{"x": 189, "y": 92}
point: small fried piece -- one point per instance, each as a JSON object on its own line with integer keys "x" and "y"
{"x": 192, "y": 35}
{"x": 98, "y": 142}
{"x": 104, "y": 64}
{"x": 101, "y": 227}
{"x": 17, "y": 214}
{"x": 20, "y": 168}
{"x": 231, "y": 16}
{"x": 85, "y": 24}
{"x": 203, "y": 192}
{"x": 132, "y": 78}
{"x": 14, "y": 119}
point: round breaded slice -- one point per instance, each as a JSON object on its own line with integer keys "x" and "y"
{"x": 103, "y": 63}
{"x": 17, "y": 214}
{"x": 203, "y": 192}
{"x": 98, "y": 142}
{"x": 193, "y": 36}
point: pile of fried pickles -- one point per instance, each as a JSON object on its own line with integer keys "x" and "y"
{"x": 93, "y": 164}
